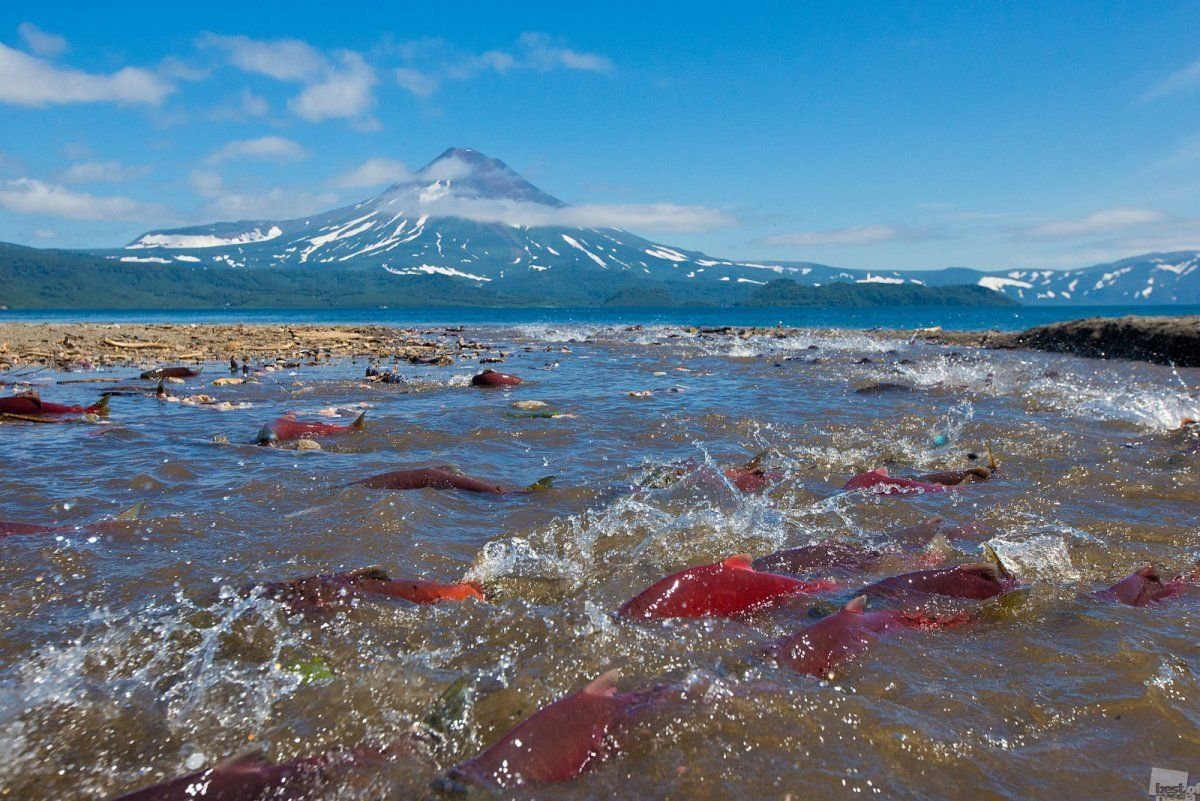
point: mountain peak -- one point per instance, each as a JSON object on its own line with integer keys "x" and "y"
{"x": 474, "y": 175}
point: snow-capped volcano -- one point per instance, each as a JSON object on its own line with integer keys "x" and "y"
{"x": 472, "y": 218}
{"x": 463, "y": 215}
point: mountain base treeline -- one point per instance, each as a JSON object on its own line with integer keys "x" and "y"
{"x": 47, "y": 279}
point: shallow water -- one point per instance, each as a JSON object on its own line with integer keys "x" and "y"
{"x": 127, "y": 656}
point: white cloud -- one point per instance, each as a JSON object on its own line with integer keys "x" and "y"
{"x": 89, "y": 172}
{"x": 857, "y": 235}
{"x": 416, "y": 81}
{"x": 430, "y": 63}
{"x": 29, "y": 81}
{"x": 1101, "y": 222}
{"x": 30, "y": 196}
{"x": 543, "y": 52}
{"x": 647, "y": 217}
{"x": 343, "y": 92}
{"x": 41, "y": 43}
{"x": 337, "y": 87}
{"x": 281, "y": 59}
{"x": 207, "y": 182}
{"x": 1182, "y": 81}
{"x": 268, "y": 148}
{"x": 248, "y": 106}
{"x": 274, "y": 204}
{"x": 373, "y": 172}
{"x": 277, "y": 203}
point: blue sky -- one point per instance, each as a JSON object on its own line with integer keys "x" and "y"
{"x": 873, "y": 135}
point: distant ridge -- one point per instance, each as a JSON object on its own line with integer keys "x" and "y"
{"x": 491, "y": 237}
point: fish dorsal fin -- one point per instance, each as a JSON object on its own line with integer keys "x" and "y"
{"x": 132, "y": 513}
{"x": 374, "y": 573}
{"x": 543, "y": 483}
{"x": 1149, "y": 572}
{"x": 986, "y": 570}
{"x": 604, "y": 684}
{"x": 756, "y": 462}
{"x": 994, "y": 558}
{"x": 992, "y": 463}
{"x": 102, "y": 405}
{"x": 856, "y": 606}
{"x": 250, "y": 756}
{"x": 360, "y": 422}
{"x": 882, "y": 471}
{"x": 739, "y": 561}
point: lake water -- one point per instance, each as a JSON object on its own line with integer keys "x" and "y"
{"x": 1004, "y": 318}
{"x": 128, "y": 656}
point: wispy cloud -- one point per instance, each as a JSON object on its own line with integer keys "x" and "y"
{"x": 1101, "y": 222}
{"x": 41, "y": 43}
{"x": 30, "y": 196}
{"x": 276, "y": 203}
{"x": 339, "y": 85}
{"x": 29, "y": 81}
{"x": 544, "y": 52}
{"x": 1179, "y": 82}
{"x": 431, "y": 63}
{"x": 246, "y": 107}
{"x": 857, "y": 235}
{"x": 265, "y": 148}
{"x": 281, "y": 59}
{"x": 373, "y": 172}
{"x": 102, "y": 172}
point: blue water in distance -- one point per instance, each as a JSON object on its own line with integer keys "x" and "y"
{"x": 1002, "y": 318}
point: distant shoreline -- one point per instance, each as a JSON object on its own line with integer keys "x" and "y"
{"x": 80, "y": 345}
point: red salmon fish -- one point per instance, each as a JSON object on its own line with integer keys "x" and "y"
{"x": 1146, "y": 587}
{"x": 723, "y": 589}
{"x": 978, "y": 582}
{"x": 246, "y": 777}
{"x": 851, "y": 556}
{"x": 289, "y": 429}
{"x": 824, "y": 645}
{"x": 332, "y": 589}
{"x": 491, "y": 378}
{"x": 879, "y": 481}
{"x": 31, "y": 406}
{"x": 10, "y": 528}
{"x": 560, "y": 741}
{"x": 438, "y": 478}
{"x": 747, "y": 479}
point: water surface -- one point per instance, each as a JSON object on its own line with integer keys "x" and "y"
{"x": 127, "y": 656}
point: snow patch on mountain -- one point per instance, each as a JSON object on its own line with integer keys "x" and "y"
{"x": 188, "y": 241}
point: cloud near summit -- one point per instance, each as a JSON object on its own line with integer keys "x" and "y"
{"x": 664, "y": 217}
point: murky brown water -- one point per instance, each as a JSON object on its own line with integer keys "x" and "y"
{"x": 126, "y": 656}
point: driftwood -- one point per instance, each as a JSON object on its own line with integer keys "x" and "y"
{"x": 116, "y": 343}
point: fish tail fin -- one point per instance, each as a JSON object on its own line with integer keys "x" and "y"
{"x": 101, "y": 406}
{"x": 992, "y": 463}
{"x": 134, "y": 512}
{"x": 543, "y": 483}
{"x": 360, "y": 422}
{"x": 990, "y": 554}
{"x": 448, "y": 715}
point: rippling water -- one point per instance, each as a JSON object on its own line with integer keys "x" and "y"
{"x": 127, "y": 656}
